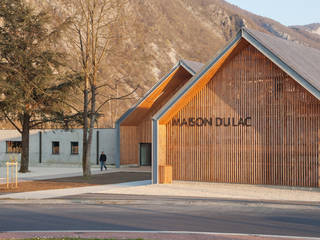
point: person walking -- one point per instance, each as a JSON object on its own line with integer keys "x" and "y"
{"x": 103, "y": 160}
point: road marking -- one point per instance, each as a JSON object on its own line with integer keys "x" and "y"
{"x": 167, "y": 232}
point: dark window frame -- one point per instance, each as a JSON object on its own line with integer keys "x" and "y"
{"x": 77, "y": 145}
{"x": 53, "y": 147}
{"x": 19, "y": 151}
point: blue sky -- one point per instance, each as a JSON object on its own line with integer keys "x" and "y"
{"x": 287, "y": 12}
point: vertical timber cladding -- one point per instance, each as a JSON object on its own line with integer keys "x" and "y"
{"x": 130, "y": 137}
{"x": 267, "y": 129}
{"x": 136, "y": 128}
{"x": 319, "y": 158}
{"x": 128, "y": 142}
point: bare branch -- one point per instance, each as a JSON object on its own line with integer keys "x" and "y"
{"x": 12, "y": 122}
{"x": 116, "y": 98}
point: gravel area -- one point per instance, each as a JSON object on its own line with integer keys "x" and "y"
{"x": 39, "y": 185}
{"x": 222, "y": 190}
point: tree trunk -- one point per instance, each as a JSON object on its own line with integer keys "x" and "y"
{"x": 85, "y": 162}
{"x": 92, "y": 120}
{"x": 24, "y": 167}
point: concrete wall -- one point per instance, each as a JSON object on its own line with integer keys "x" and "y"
{"x": 107, "y": 143}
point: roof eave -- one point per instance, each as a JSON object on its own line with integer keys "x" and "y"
{"x": 130, "y": 110}
{"x": 186, "y": 67}
{"x": 158, "y": 115}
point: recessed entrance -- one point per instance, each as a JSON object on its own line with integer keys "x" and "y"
{"x": 145, "y": 154}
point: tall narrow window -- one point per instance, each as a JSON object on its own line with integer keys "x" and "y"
{"x": 13, "y": 146}
{"x": 55, "y": 147}
{"x": 74, "y": 148}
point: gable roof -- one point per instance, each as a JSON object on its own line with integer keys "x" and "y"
{"x": 190, "y": 66}
{"x": 298, "y": 61}
{"x": 303, "y": 60}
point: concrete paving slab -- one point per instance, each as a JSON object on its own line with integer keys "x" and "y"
{"x": 49, "y": 172}
{"x": 187, "y": 189}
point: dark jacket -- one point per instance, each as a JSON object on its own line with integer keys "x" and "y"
{"x": 103, "y": 158}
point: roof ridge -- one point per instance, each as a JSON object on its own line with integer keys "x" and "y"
{"x": 293, "y": 43}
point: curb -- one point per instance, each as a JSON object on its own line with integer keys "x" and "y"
{"x": 140, "y": 201}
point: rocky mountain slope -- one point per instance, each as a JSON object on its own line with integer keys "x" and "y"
{"x": 311, "y": 31}
{"x": 312, "y": 28}
{"x": 197, "y": 29}
{"x": 164, "y": 31}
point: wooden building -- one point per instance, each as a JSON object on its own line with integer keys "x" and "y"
{"x": 250, "y": 115}
{"x": 134, "y": 126}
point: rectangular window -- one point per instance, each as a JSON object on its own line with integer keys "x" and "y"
{"x": 74, "y": 148}
{"x": 55, "y": 147}
{"x": 13, "y": 146}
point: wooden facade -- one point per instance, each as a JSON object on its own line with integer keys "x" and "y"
{"x": 250, "y": 123}
{"x": 136, "y": 128}
{"x": 250, "y": 115}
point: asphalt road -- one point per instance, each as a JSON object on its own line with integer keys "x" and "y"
{"x": 147, "y": 213}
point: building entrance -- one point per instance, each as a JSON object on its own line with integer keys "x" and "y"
{"x": 145, "y": 154}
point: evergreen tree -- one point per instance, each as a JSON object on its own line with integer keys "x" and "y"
{"x": 32, "y": 88}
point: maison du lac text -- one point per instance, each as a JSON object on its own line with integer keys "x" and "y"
{"x": 216, "y": 121}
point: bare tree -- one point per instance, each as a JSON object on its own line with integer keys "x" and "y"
{"x": 97, "y": 26}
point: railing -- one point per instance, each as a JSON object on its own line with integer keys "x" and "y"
{"x": 11, "y": 173}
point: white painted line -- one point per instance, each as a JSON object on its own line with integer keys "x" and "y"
{"x": 168, "y": 232}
